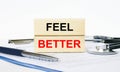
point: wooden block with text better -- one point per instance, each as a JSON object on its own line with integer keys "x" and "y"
{"x": 59, "y": 44}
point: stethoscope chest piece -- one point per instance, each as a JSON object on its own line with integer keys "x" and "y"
{"x": 102, "y": 53}
{"x": 101, "y": 50}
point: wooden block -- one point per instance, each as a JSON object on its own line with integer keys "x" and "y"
{"x": 59, "y": 26}
{"x": 59, "y": 44}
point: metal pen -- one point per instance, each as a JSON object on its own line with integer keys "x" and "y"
{"x": 23, "y": 53}
{"x": 20, "y": 41}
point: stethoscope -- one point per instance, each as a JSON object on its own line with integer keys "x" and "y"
{"x": 109, "y": 44}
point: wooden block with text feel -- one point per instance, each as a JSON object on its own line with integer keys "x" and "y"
{"x": 59, "y": 44}
{"x": 59, "y": 26}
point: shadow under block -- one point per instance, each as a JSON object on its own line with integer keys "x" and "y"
{"x": 77, "y": 25}
{"x": 59, "y": 44}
